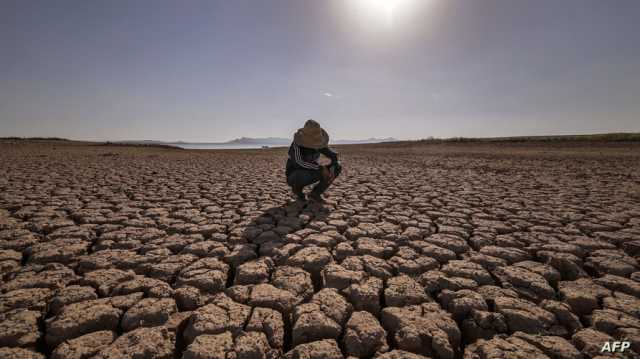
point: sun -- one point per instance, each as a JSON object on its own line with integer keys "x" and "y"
{"x": 382, "y": 11}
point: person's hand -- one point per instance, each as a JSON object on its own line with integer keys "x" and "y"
{"x": 326, "y": 174}
{"x": 329, "y": 176}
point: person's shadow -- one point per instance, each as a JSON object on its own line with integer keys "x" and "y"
{"x": 272, "y": 225}
{"x": 276, "y": 233}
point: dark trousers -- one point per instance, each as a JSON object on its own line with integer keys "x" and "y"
{"x": 298, "y": 179}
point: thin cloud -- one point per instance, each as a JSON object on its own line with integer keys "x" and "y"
{"x": 328, "y": 94}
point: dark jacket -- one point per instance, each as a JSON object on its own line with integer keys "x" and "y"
{"x": 303, "y": 158}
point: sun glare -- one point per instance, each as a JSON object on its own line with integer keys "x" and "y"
{"x": 385, "y": 12}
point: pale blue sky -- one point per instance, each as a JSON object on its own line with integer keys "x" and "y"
{"x": 216, "y": 70}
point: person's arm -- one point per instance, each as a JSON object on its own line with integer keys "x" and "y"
{"x": 329, "y": 153}
{"x": 295, "y": 154}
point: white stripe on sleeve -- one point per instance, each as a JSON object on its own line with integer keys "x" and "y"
{"x": 299, "y": 161}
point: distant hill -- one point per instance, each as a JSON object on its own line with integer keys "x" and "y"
{"x": 275, "y": 141}
{"x": 35, "y": 138}
{"x": 268, "y": 141}
{"x": 613, "y": 137}
{"x": 280, "y": 141}
{"x": 262, "y": 141}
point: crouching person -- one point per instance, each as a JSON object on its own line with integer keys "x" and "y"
{"x": 303, "y": 168}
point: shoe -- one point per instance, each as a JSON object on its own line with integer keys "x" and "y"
{"x": 316, "y": 197}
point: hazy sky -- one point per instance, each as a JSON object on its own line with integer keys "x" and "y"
{"x": 216, "y": 70}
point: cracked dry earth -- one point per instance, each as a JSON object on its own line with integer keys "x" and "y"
{"x": 454, "y": 251}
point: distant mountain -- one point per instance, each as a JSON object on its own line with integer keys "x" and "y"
{"x": 264, "y": 141}
{"x": 272, "y": 141}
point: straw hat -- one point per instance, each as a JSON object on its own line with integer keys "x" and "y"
{"x": 311, "y": 136}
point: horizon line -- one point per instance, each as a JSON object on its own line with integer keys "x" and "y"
{"x": 384, "y": 139}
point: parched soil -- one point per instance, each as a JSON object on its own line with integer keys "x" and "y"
{"x": 445, "y": 251}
